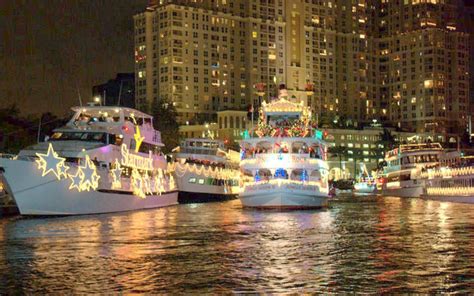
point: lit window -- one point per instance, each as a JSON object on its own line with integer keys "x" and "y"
{"x": 428, "y": 83}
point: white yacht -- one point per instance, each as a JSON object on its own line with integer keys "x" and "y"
{"x": 105, "y": 159}
{"x": 205, "y": 171}
{"x": 452, "y": 180}
{"x": 284, "y": 166}
{"x": 402, "y": 175}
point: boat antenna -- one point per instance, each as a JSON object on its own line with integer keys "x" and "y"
{"x": 120, "y": 93}
{"x": 79, "y": 96}
{"x": 39, "y": 128}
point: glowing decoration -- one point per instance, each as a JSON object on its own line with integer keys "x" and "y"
{"x": 86, "y": 177}
{"x": 137, "y": 136}
{"x": 146, "y": 183}
{"x": 207, "y": 171}
{"x": 52, "y": 163}
{"x": 91, "y": 178}
{"x": 76, "y": 180}
{"x": 137, "y": 184}
{"x": 172, "y": 183}
{"x": 116, "y": 173}
{"x": 304, "y": 176}
{"x": 136, "y": 161}
{"x": 158, "y": 182}
{"x": 319, "y": 135}
{"x": 257, "y": 177}
{"x": 281, "y": 173}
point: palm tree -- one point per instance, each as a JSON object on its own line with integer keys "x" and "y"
{"x": 387, "y": 140}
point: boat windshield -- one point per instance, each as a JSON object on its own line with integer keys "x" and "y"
{"x": 79, "y": 136}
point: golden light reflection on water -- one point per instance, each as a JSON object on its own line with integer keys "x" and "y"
{"x": 392, "y": 245}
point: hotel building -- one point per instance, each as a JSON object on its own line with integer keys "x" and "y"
{"x": 403, "y": 62}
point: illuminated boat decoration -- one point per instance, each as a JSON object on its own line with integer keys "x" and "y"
{"x": 105, "y": 159}
{"x": 452, "y": 180}
{"x": 283, "y": 161}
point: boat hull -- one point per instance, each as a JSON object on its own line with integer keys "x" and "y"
{"x": 185, "y": 197}
{"x": 196, "y": 192}
{"x": 283, "y": 197}
{"x": 414, "y": 191}
{"x": 363, "y": 188}
{"x": 45, "y": 195}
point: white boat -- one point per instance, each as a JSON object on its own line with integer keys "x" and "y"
{"x": 452, "y": 180}
{"x": 205, "y": 172}
{"x": 404, "y": 167}
{"x": 366, "y": 184}
{"x": 284, "y": 166}
{"x": 365, "y": 187}
{"x": 105, "y": 159}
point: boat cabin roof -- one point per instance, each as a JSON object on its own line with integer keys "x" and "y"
{"x": 202, "y": 143}
{"x": 98, "y": 110}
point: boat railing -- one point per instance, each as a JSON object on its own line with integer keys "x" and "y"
{"x": 8, "y": 156}
{"x": 266, "y": 154}
{"x": 199, "y": 151}
{"x": 447, "y": 172}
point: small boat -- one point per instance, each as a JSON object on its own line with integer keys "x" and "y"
{"x": 105, "y": 159}
{"x": 366, "y": 184}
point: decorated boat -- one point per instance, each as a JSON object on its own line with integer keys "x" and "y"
{"x": 283, "y": 162}
{"x": 205, "y": 172}
{"x": 105, "y": 159}
{"x": 402, "y": 175}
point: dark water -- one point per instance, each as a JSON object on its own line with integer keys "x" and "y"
{"x": 392, "y": 245}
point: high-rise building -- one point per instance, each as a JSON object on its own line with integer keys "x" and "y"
{"x": 469, "y": 26}
{"x": 423, "y": 68}
{"x": 402, "y": 61}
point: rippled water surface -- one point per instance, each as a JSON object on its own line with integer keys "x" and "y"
{"x": 392, "y": 245}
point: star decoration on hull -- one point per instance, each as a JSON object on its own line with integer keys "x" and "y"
{"x": 116, "y": 173}
{"x": 77, "y": 179}
{"x": 86, "y": 177}
{"x": 91, "y": 178}
{"x": 52, "y": 163}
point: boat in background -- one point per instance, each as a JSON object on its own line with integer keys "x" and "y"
{"x": 285, "y": 166}
{"x": 105, "y": 159}
{"x": 404, "y": 167}
{"x": 205, "y": 172}
{"x": 366, "y": 184}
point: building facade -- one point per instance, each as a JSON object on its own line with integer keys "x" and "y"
{"x": 403, "y": 62}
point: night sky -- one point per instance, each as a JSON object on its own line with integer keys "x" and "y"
{"x": 51, "y": 48}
